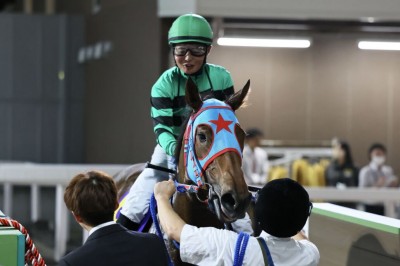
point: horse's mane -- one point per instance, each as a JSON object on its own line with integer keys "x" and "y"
{"x": 180, "y": 139}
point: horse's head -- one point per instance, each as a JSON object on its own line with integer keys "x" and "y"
{"x": 213, "y": 145}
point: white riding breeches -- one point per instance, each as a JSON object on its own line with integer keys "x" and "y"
{"x": 138, "y": 198}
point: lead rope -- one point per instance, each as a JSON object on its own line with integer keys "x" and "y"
{"x": 153, "y": 211}
{"x": 32, "y": 254}
{"x": 240, "y": 249}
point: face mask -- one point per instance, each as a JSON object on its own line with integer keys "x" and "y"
{"x": 378, "y": 160}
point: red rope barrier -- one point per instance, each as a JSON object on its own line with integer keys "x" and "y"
{"x": 32, "y": 254}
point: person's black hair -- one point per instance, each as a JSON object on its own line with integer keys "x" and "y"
{"x": 282, "y": 207}
{"x": 253, "y": 133}
{"x": 376, "y": 146}
{"x": 348, "y": 158}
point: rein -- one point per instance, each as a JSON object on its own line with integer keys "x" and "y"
{"x": 186, "y": 188}
{"x": 181, "y": 188}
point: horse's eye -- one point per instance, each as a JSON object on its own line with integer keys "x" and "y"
{"x": 202, "y": 137}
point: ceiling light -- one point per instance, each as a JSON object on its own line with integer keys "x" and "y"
{"x": 253, "y": 42}
{"x": 379, "y": 45}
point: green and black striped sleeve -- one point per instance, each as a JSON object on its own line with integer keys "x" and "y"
{"x": 163, "y": 116}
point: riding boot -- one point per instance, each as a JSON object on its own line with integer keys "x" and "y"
{"x": 126, "y": 222}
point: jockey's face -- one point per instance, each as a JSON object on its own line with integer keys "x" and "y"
{"x": 189, "y": 56}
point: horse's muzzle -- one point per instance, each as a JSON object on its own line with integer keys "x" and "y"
{"x": 234, "y": 207}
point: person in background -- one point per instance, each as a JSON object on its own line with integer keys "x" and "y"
{"x": 92, "y": 199}
{"x": 341, "y": 172}
{"x": 255, "y": 159}
{"x": 282, "y": 209}
{"x": 377, "y": 174}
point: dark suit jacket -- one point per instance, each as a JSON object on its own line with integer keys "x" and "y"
{"x": 115, "y": 245}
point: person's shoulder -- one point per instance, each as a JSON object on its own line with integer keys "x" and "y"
{"x": 365, "y": 170}
{"x": 387, "y": 168}
{"x": 143, "y": 237}
{"x": 310, "y": 251}
{"x": 165, "y": 82}
{"x": 308, "y": 244}
{"x": 72, "y": 257}
{"x": 63, "y": 262}
{"x": 168, "y": 76}
{"x": 206, "y": 233}
{"x": 143, "y": 240}
{"x": 221, "y": 79}
{"x": 246, "y": 149}
{"x": 260, "y": 151}
{"x": 217, "y": 68}
{"x": 170, "y": 73}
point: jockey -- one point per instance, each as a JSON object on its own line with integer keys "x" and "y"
{"x": 190, "y": 38}
{"x": 282, "y": 209}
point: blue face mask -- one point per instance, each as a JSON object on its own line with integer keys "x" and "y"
{"x": 220, "y": 117}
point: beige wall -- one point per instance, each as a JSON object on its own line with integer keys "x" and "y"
{"x": 331, "y": 89}
{"x": 119, "y": 128}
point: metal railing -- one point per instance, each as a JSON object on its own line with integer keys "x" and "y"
{"x": 46, "y": 175}
{"x": 58, "y": 176}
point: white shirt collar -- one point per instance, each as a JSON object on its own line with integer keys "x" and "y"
{"x": 94, "y": 229}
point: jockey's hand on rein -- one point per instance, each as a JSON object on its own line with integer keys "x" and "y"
{"x": 164, "y": 190}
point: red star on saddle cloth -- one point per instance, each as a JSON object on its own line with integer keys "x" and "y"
{"x": 222, "y": 124}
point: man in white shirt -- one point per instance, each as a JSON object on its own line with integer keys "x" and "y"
{"x": 255, "y": 159}
{"x": 282, "y": 209}
{"x": 377, "y": 174}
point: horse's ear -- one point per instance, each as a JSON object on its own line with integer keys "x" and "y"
{"x": 192, "y": 95}
{"x": 237, "y": 99}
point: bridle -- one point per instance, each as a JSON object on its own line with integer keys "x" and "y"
{"x": 222, "y": 120}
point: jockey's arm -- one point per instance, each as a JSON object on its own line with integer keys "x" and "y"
{"x": 162, "y": 113}
{"x": 170, "y": 221}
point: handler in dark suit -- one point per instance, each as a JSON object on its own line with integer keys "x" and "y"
{"x": 92, "y": 199}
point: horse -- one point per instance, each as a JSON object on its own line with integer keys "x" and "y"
{"x": 222, "y": 194}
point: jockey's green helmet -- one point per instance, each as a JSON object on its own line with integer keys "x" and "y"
{"x": 190, "y": 28}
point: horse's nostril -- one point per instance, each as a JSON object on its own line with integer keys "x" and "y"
{"x": 228, "y": 201}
